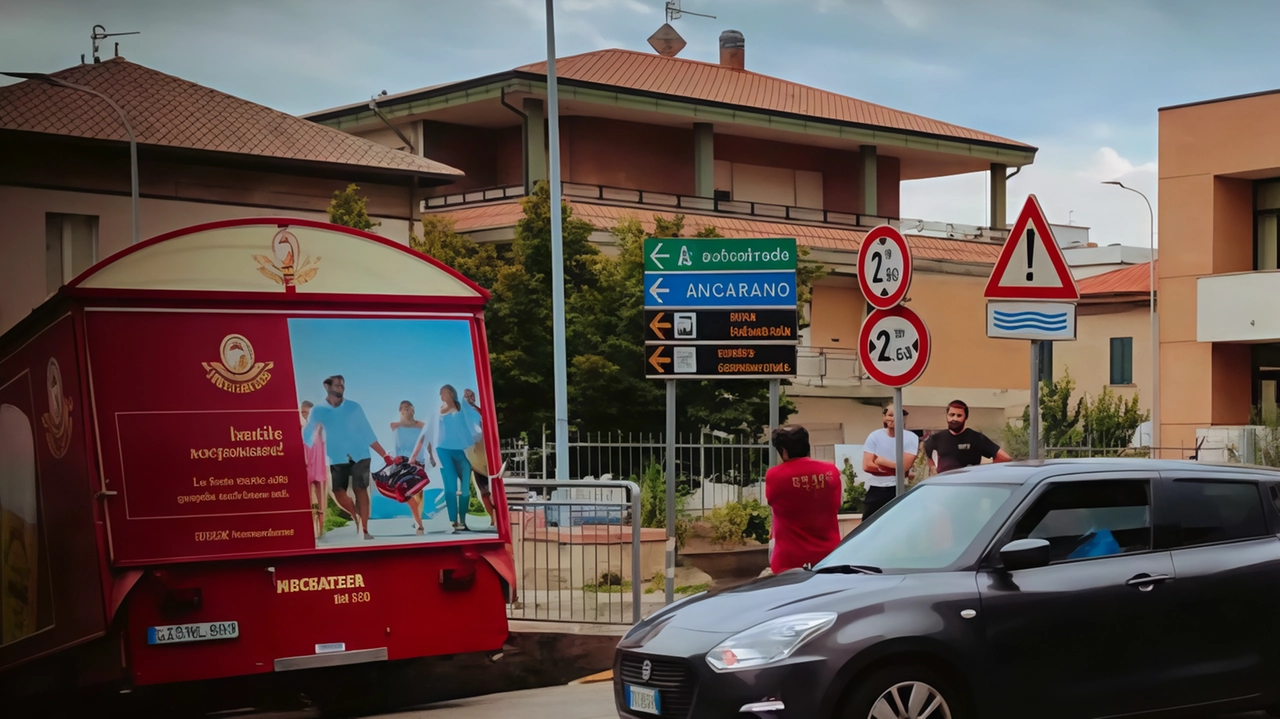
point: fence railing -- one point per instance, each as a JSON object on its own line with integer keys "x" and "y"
{"x": 578, "y": 550}
{"x": 712, "y": 468}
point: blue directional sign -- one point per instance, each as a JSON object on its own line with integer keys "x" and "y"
{"x": 719, "y": 289}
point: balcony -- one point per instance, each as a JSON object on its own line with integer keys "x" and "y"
{"x": 664, "y": 201}
{"x": 828, "y": 367}
{"x": 1233, "y": 307}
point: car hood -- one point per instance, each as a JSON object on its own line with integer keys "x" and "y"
{"x": 794, "y": 592}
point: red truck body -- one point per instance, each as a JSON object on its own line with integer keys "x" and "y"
{"x": 156, "y": 486}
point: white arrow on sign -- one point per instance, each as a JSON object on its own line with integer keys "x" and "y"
{"x": 655, "y": 257}
{"x": 657, "y": 290}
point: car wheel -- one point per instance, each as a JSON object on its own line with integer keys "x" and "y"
{"x": 905, "y": 692}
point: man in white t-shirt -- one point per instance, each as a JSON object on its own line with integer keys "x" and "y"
{"x": 879, "y": 470}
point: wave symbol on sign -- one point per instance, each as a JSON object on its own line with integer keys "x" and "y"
{"x": 1042, "y": 321}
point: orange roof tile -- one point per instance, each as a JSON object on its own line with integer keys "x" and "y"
{"x": 711, "y": 82}
{"x": 1135, "y": 279}
{"x": 506, "y": 214}
{"x": 171, "y": 112}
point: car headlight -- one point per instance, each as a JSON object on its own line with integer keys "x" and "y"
{"x": 769, "y": 642}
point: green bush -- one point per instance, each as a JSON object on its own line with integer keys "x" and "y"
{"x": 653, "y": 503}
{"x": 855, "y": 494}
{"x": 736, "y": 522}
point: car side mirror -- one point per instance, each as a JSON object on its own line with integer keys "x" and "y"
{"x": 1024, "y": 554}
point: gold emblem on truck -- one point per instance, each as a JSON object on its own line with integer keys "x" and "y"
{"x": 57, "y": 421}
{"x": 238, "y": 372}
{"x": 283, "y": 266}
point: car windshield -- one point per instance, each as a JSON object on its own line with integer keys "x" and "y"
{"x": 928, "y": 529}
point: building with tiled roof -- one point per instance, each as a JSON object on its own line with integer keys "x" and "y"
{"x": 203, "y": 155}
{"x": 649, "y": 135}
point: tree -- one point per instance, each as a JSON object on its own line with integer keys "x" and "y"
{"x": 349, "y": 209}
{"x": 1110, "y": 420}
{"x": 1106, "y": 422}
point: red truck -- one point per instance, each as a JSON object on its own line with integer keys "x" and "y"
{"x": 247, "y": 447}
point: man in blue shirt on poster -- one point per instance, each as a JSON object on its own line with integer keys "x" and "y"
{"x": 349, "y": 437}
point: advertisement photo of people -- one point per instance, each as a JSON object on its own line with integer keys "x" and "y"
{"x": 392, "y": 430}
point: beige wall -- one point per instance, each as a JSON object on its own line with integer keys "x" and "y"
{"x": 954, "y": 310}
{"x": 1089, "y": 357}
{"x": 856, "y": 419}
{"x": 22, "y": 258}
{"x": 1209, "y": 154}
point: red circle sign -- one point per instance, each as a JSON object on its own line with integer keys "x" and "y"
{"x": 884, "y": 267}
{"x": 893, "y": 346}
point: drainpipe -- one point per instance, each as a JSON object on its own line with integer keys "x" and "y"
{"x": 524, "y": 139}
{"x": 373, "y": 105}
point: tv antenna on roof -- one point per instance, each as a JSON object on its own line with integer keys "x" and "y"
{"x": 674, "y": 12}
{"x": 100, "y": 33}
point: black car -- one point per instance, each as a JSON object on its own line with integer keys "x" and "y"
{"x": 1075, "y": 588}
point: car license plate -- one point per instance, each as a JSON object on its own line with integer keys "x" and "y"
{"x": 642, "y": 699}
{"x": 202, "y": 632}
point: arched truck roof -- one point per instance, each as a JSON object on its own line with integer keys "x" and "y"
{"x": 277, "y": 259}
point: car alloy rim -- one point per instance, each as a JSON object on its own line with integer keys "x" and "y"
{"x": 910, "y": 700}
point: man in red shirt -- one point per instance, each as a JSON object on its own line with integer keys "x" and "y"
{"x": 804, "y": 495}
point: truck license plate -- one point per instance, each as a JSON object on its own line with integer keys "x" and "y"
{"x": 202, "y": 632}
{"x": 642, "y": 699}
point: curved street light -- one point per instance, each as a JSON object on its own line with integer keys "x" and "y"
{"x": 1155, "y": 348}
{"x": 133, "y": 142}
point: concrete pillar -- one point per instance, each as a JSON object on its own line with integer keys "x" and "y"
{"x": 704, "y": 160}
{"x": 998, "y": 187}
{"x": 535, "y": 142}
{"x": 867, "y": 159}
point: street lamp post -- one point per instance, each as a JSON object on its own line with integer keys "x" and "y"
{"x": 133, "y": 142}
{"x": 1155, "y": 346}
{"x": 559, "y": 353}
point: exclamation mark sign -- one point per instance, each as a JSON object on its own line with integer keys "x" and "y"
{"x": 1031, "y": 253}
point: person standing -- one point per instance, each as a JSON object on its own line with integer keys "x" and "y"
{"x": 317, "y": 471}
{"x": 448, "y": 437}
{"x": 805, "y": 495}
{"x": 476, "y": 454}
{"x": 349, "y": 437}
{"x": 879, "y": 467}
{"x": 406, "y": 431}
{"x": 960, "y": 446}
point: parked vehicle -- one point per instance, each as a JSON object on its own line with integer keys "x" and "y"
{"x": 167, "y": 422}
{"x": 1075, "y": 588}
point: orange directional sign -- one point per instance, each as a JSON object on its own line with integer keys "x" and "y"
{"x": 657, "y": 325}
{"x": 658, "y": 361}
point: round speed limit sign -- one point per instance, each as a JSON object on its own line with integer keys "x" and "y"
{"x": 894, "y": 346}
{"x": 884, "y": 267}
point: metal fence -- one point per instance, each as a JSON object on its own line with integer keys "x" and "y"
{"x": 712, "y": 468}
{"x": 578, "y": 553}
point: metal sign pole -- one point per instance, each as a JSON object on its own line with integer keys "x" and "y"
{"x": 560, "y": 366}
{"x": 671, "y": 495}
{"x": 899, "y": 426}
{"x": 1033, "y": 434}
{"x": 773, "y": 419}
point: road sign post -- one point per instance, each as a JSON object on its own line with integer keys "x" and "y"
{"x": 1031, "y": 295}
{"x": 893, "y": 346}
{"x": 716, "y": 309}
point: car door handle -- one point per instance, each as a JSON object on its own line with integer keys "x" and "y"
{"x": 1147, "y": 582}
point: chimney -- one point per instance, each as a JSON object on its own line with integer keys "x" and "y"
{"x": 732, "y": 50}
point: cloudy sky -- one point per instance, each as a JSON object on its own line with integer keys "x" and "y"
{"x": 1080, "y": 79}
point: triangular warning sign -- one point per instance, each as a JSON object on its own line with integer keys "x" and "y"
{"x": 1031, "y": 265}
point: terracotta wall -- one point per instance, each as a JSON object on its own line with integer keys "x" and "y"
{"x": 1088, "y": 358}
{"x": 953, "y": 308}
{"x": 836, "y": 313}
{"x": 1206, "y": 227}
{"x": 599, "y": 151}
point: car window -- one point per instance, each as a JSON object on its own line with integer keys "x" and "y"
{"x": 1275, "y": 496}
{"x": 1082, "y": 520}
{"x": 929, "y": 528}
{"x": 1194, "y": 512}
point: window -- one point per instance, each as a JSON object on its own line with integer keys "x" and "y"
{"x": 1266, "y": 204}
{"x": 1082, "y": 520}
{"x": 70, "y": 247}
{"x": 1121, "y": 360}
{"x": 1194, "y": 512}
{"x": 1275, "y": 496}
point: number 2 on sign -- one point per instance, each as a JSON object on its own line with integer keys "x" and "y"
{"x": 899, "y": 353}
{"x": 880, "y": 274}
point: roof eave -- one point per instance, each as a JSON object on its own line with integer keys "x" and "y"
{"x": 492, "y": 86}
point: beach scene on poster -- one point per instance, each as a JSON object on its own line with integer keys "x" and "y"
{"x": 390, "y": 415}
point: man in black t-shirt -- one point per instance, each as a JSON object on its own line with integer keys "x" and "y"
{"x": 959, "y": 446}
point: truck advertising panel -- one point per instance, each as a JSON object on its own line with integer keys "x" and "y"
{"x": 252, "y": 434}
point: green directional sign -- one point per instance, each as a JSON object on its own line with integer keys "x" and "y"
{"x": 719, "y": 254}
